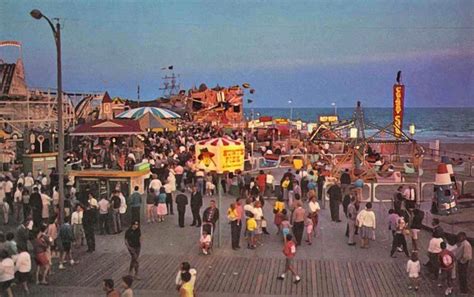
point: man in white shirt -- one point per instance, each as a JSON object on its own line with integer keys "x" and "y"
{"x": 269, "y": 184}
{"x": 29, "y": 182}
{"x": 4, "y": 207}
{"x": 104, "y": 206}
{"x": 169, "y": 197}
{"x": 76, "y": 224}
{"x": 155, "y": 184}
{"x": 23, "y": 267}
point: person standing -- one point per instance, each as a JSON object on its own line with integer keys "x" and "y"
{"x": 335, "y": 198}
{"x": 8, "y": 187}
{"x": 366, "y": 222}
{"x": 345, "y": 181}
{"x": 299, "y": 215}
{"x": 127, "y": 282}
{"x": 314, "y": 209}
{"x": 150, "y": 206}
{"x": 77, "y": 228}
{"x": 187, "y": 288}
{"x": 463, "y": 254}
{"x": 36, "y": 205}
{"x": 196, "y": 204}
{"x": 320, "y": 182}
{"x": 66, "y": 237}
{"x": 23, "y": 268}
{"x": 289, "y": 250}
{"x": 104, "y": 207}
{"x": 261, "y": 182}
{"x": 18, "y": 202}
{"x": 169, "y": 197}
{"x": 7, "y": 273}
{"x": 416, "y": 225}
{"x": 211, "y": 215}
{"x": 133, "y": 242}
{"x": 135, "y": 204}
{"x": 181, "y": 202}
{"x": 351, "y": 220}
{"x": 23, "y": 234}
{"x": 269, "y": 184}
{"x": 116, "y": 205}
{"x": 89, "y": 221}
{"x": 233, "y": 217}
{"x": 108, "y": 287}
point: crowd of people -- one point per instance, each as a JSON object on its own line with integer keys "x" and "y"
{"x": 174, "y": 185}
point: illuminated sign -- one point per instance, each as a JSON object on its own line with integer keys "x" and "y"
{"x": 328, "y": 119}
{"x": 398, "y": 100}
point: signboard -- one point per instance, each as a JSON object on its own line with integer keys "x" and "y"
{"x": 398, "y": 101}
{"x": 220, "y": 155}
{"x": 325, "y": 119}
{"x": 281, "y": 121}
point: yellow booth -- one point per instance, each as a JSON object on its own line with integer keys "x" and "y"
{"x": 220, "y": 155}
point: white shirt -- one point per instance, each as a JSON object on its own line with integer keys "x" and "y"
{"x": 29, "y": 181}
{"x": 179, "y": 281}
{"x": 18, "y": 196}
{"x": 257, "y": 213}
{"x": 76, "y": 218}
{"x": 7, "y": 270}
{"x": 123, "y": 204}
{"x": 270, "y": 179}
{"x": 155, "y": 184}
{"x": 314, "y": 206}
{"x": 413, "y": 268}
{"x": 55, "y": 197}
{"x": 168, "y": 188}
{"x": 93, "y": 202}
{"x": 8, "y": 186}
{"x": 435, "y": 245}
{"x": 23, "y": 262}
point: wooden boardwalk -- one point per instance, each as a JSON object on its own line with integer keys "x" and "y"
{"x": 249, "y": 276}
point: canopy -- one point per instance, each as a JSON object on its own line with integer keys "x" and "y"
{"x": 136, "y": 113}
{"x": 108, "y": 128}
{"x": 154, "y": 123}
{"x": 220, "y": 155}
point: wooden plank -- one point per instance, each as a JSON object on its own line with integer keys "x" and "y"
{"x": 244, "y": 276}
{"x": 352, "y": 273}
{"x": 339, "y": 278}
{"x": 238, "y": 268}
{"x": 347, "y": 283}
{"x": 379, "y": 280}
{"x": 249, "y": 277}
{"x": 368, "y": 278}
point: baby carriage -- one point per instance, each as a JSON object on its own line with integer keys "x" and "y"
{"x": 205, "y": 242}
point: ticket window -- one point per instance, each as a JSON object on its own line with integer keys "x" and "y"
{"x": 90, "y": 185}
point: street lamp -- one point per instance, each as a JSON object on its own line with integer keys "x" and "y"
{"x": 36, "y": 14}
{"x": 335, "y": 107}
{"x": 291, "y": 118}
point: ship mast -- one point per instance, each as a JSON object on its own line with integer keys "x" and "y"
{"x": 170, "y": 86}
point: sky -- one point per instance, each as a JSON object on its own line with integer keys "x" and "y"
{"x": 310, "y": 52}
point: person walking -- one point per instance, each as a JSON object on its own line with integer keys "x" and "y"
{"x": 181, "y": 202}
{"x": 135, "y": 204}
{"x": 196, "y": 204}
{"x": 463, "y": 253}
{"x": 108, "y": 287}
{"x": 351, "y": 220}
{"x": 133, "y": 242}
{"x": 77, "y": 227}
{"x": 366, "y": 222}
{"x": 446, "y": 260}
{"x": 289, "y": 250}
{"x": 335, "y": 199}
{"x": 399, "y": 237}
{"x": 413, "y": 270}
{"x": 299, "y": 215}
{"x": 314, "y": 209}
{"x": 18, "y": 202}
{"x": 66, "y": 237}
{"x": 36, "y": 204}
{"x": 7, "y": 273}
{"x": 88, "y": 222}
{"x": 23, "y": 268}
{"x": 160, "y": 202}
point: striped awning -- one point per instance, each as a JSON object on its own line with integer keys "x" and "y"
{"x": 219, "y": 141}
{"x": 136, "y": 113}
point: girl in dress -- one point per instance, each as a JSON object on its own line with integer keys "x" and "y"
{"x": 161, "y": 209}
{"x": 309, "y": 229}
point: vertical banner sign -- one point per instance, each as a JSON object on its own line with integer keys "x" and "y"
{"x": 398, "y": 100}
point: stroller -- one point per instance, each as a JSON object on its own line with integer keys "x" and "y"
{"x": 206, "y": 245}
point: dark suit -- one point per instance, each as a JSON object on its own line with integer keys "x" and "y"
{"x": 89, "y": 220}
{"x": 181, "y": 202}
{"x": 196, "y": 204}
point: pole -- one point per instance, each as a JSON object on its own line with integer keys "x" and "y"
{"x": 219, "y": 199}
{"x": 60, "y": 160}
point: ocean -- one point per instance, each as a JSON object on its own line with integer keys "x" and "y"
{"x": 454, "y": 125}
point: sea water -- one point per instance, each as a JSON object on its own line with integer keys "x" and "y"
{"x": 454, "y": 125}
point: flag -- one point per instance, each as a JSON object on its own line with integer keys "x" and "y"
{"x": 10, "y": 43}
{"x": 249, "y": 101}
{"x": 167, "y": 67}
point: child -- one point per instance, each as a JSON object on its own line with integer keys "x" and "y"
{"x": 285, "y": 225}
{"x": 210, "y": 187}
{"x": 205, "y": 242}
{"x": 413, "y": 270}
{"x": 251, "y": 227}
{"x": 309, "y": 229}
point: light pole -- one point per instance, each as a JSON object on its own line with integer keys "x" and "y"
{"x": 291, "y": 125}
{"x": 335, "y": 107}
{"x": 36, "y": 14}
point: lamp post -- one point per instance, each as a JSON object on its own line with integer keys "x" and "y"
{"x": 335, "y": 107}
{"x": 36, "y": 14}
{"x": 291, "y": 125}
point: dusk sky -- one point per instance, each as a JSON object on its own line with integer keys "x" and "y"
{"x": 312, "y": 52}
